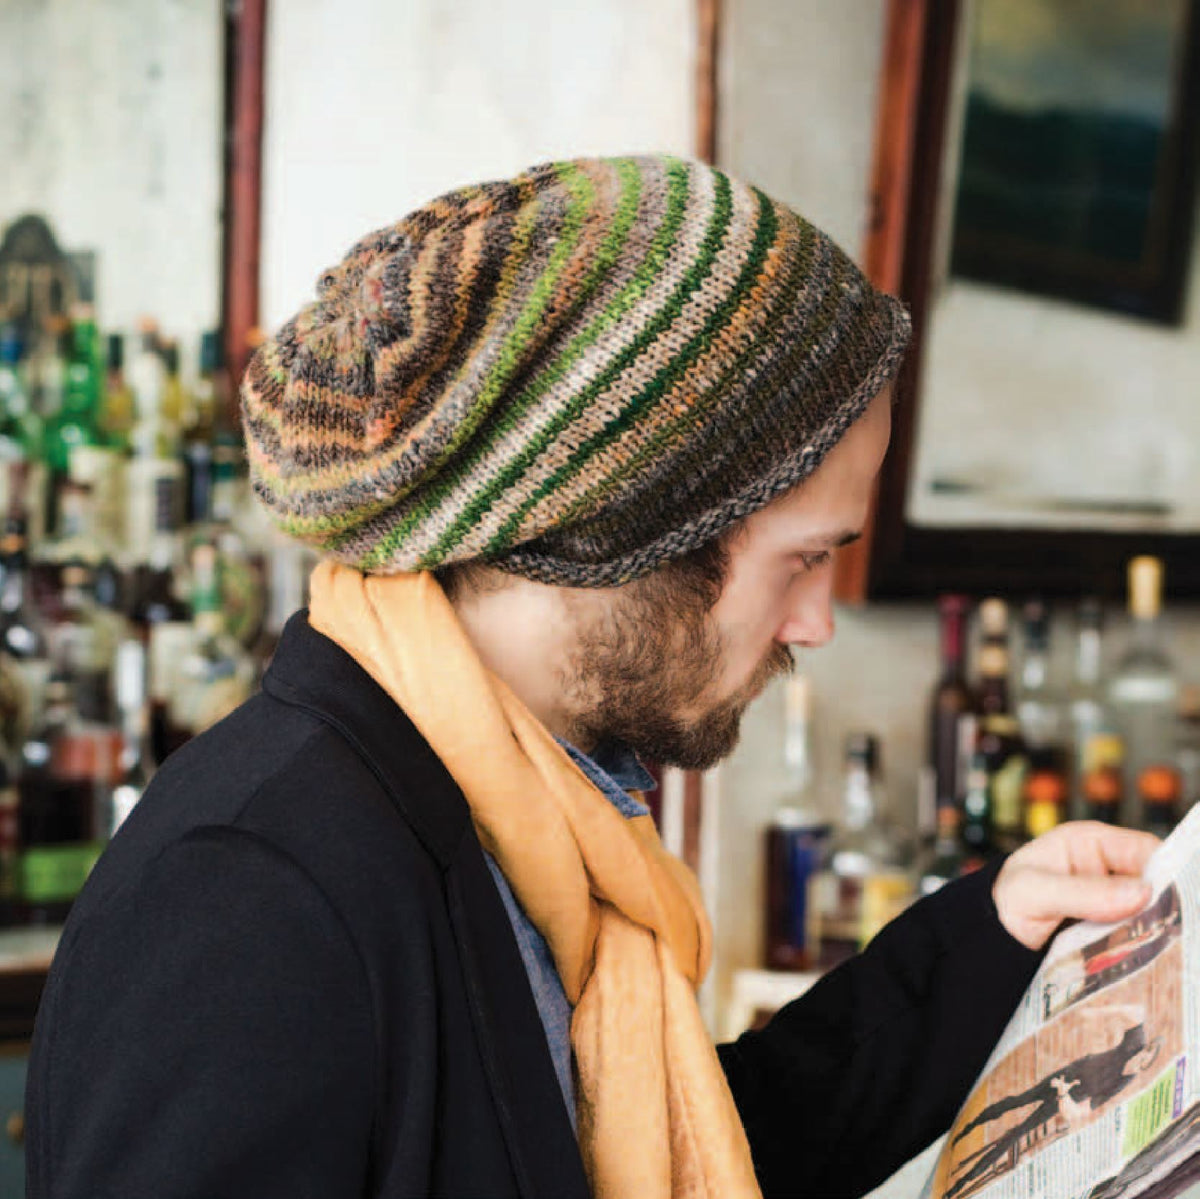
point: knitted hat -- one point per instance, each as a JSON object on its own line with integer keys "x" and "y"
{"x": 576, "y": 374}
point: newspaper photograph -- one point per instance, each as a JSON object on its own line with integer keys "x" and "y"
{"x": 1093, "y": 1090}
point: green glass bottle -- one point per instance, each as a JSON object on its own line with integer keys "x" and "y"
{"x": 117, "y": 418}
{"x": 76, "y": 422}
{"x": 20, "y": 425}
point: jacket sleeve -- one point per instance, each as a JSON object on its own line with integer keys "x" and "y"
{"x": 206, "y": 1032}
{"x": 862, "y": 1072}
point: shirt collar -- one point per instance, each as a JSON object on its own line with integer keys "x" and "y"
{"x": 616, "y": 770}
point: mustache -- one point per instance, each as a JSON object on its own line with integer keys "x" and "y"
{"x": 779, "y": 661}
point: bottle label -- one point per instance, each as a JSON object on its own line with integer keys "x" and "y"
{"x": 1007, "y": 785}
{"x": 884, "y": 897}
{"x": 1041, "y": 818}
{"x": 54, "y": 873}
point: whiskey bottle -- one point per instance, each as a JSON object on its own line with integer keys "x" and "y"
{"x": 1144, "y": 690}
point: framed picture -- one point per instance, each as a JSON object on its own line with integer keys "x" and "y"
{"x": 1078, "y": 156}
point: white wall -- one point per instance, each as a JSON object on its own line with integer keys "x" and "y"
{"x": 112, "y": 130}
{"x": 798, "y": 111}
{"x": 375, "y": 107}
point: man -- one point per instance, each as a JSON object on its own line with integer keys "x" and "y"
{"x": 397, "y": 927}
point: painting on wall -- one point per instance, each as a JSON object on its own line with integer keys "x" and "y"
{"x": 1078, "y": 159}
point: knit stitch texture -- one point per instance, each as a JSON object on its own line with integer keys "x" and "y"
{"x": 576, "y": 374}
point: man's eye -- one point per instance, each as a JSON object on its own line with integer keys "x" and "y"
{"x": 816, "y": 561}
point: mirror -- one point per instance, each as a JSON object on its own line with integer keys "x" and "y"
{"x": 1048, "y": 425}
{"x": 115, "y": 144}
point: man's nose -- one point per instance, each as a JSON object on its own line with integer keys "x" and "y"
{"x": 810, "y": 623}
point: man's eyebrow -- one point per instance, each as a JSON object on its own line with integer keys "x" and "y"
{"x": 837, "y": 540}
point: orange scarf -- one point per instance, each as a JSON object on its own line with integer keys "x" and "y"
{"x": 623, "y": 918}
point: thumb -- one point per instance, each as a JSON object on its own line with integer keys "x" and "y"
{"x": 1035, "y": 902}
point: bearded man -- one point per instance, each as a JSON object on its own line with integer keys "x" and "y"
{"x": 577, "y": 449}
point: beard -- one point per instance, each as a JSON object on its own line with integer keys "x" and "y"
{"x": 639, "y": 668}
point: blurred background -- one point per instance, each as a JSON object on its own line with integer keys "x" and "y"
{"x": 1018, "y": 635}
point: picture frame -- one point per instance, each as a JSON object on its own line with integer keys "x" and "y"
{"x": 1080, "y": 134}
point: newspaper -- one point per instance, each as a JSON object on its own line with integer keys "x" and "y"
{"x": 1093, "y": 1091}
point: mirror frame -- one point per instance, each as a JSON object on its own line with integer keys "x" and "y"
{"x": 899, "y": 559}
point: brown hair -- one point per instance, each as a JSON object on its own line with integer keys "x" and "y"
{"x": 699, "y": 574}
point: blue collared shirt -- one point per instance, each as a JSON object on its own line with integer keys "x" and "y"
{"x": 616, "y": 771}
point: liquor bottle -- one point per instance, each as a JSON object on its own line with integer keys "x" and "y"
{"x": 796, "y": 841}
{"x": 173, "y": 403}
{"x": 953, "y": 704}
{"x": 208, "y": 393}
{"x": 977, "y": 834}
{"x": 153, "y": 594}
{"x": 147, "y": 380}
{"x": 68, "y": 767}
{"x": 23, "y": 638}
{"x": 948, "y": 860}
{"x": 1043, "y": 717}
{"x": 20, "y": 426}
{"x": 1103, "y": 783}
{"x": 75, "y": 539}
{"x": 1000, "y": 743}
{"x": 10, "y": 840}
{"x": 81, "y": 645}
{"x": 101, "y": 470}
{"x": 1090, "y": 716}
{"x": 1187, "y": 746}
{"x": 136, "y": 760}
{"x": 1046, "y": 795}
{"x": 75, "y": 422}
{"x": 119, "y": 412}
{"x": 867, "y": 881}
{"x": 1143, "y": 691}
{"x": 215, "y": 674}
{"x": 243, "y": 569}
{"x": 1158, "y": 789}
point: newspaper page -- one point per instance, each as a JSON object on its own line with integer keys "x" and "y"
{"x": 1093, "y": 1091}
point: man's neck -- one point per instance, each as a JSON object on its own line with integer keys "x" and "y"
{"x": 523, "y": 634}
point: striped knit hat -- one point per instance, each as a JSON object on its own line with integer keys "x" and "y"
{"x": 576, "y": 374}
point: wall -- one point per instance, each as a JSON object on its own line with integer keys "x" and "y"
{"x": 112, "y": 130}
{"x": 798, "y": 96}
{"x": 374, "y": 107}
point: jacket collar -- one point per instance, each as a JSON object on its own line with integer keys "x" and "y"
{"x": 312, "y": 672}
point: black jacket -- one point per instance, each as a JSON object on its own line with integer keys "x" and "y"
{"x": 291, "y": 975}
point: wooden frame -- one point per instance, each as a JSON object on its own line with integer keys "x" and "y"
{"x": 245, "y": 46}
{"x": 899, "y": 559}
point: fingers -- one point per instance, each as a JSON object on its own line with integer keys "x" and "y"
{"x": 1032, "y": 901}
{"x": 1097, "y": 897}
{"x": 1122, "y": 850}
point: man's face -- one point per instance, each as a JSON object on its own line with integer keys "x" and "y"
{"x": 674, "y": 684}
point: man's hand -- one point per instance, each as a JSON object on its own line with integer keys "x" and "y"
{"x": 1081, "y": 870}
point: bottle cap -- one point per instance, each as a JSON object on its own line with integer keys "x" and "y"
{"x": 1103, "y": 786}
{"x": 1045, "y": 787}
{"x": 1037, "y": 624}
{"x": 1159, "y": 785}
{"x": 1145, "y": 587}
{"x": 993, "y": 617}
